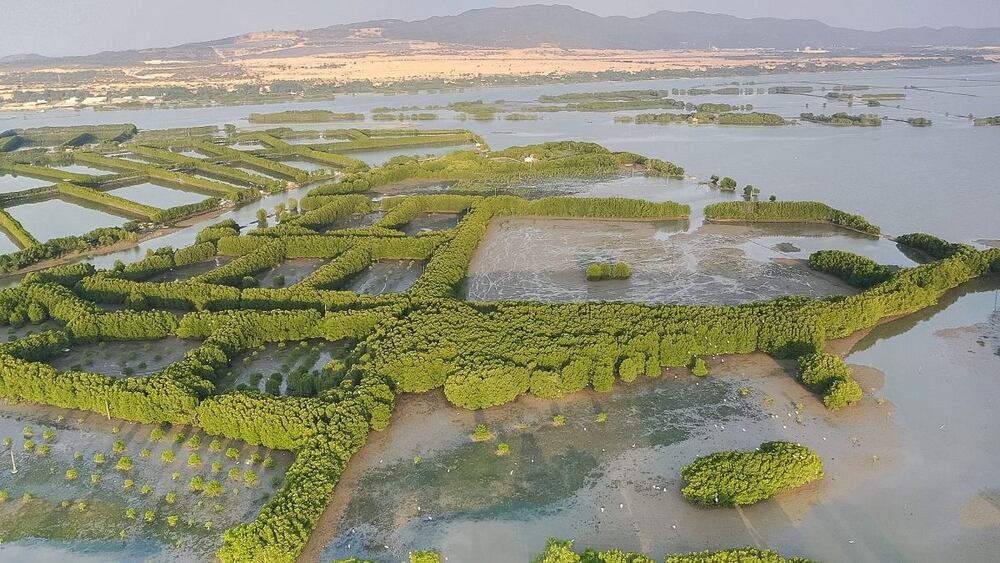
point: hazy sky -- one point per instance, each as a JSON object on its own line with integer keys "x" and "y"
{"x": 70, "y": 27}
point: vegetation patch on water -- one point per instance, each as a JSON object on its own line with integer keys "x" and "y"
{"x": 304, "y": 116}
{"x": 559, "y": 551}
{"x": 843, "y": 119}
{"x": 608, "y": 271}
{"x": 787, "y": 211}
{"x": 743, "y": 478}
{"x": 706, "y": 118}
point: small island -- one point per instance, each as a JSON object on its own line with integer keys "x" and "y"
{"x": 737, "y": 478}
{"x": 607, "y": 271}
{"x": 304, "y": 116}
{"x": 706, "y": 118}
{"x": 843, "y": 119}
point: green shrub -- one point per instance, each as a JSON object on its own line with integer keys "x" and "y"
{"x": 829, "y": 376}
{"x": 742, "y": 478}
{"x": 787, "y": 211}
{"x": 859, "y": 271}
{"x": 607, "y": 271}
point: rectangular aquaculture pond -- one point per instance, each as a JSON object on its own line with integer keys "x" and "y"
{"x": 546, "y": 260}
{"x": 386, "y": 276}
{"x": 40, "y": 218}
{"x": 294, "y": 368}
{"x": 157, "y": 196}
{"x": 289, "y": 272}
{"x": 123, "y": 359}
{"x": 431, "y": 222}
{"x": 16, "y": 183}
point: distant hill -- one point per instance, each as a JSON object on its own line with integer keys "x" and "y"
{"x": 563, "y": 26}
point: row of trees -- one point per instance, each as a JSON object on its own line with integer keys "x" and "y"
{"x": 843, "y": 119}
{"x": 787, "y": 211}
{"x": 57, "y": 247}
{"x": 227, "y": 173}
{"x": 16, "y": 230}
{"x": 252, "y": 160}
{"x": 133, "y": 208}
{"x": 214, "y": 188}
{"x": 708, "y": 118}
{"x": 859, "y": 271}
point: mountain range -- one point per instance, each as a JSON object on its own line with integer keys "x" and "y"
{"x": 562, "y": 26}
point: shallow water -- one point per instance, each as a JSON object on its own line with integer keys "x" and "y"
{"x": 903, "y": 467}
{"x": 11, "y": 183}
{"x": 900, "y": 177}
{"x": 253, "y": 369}
{"x": 306, "y": 165}
{"x": 81, "y": 169}
{"x": 189, "y": 271}
{"x": 386, "y": 276}
{"x": 44, "y": 530}
{"x": 40, "y": 218}
{"x": 355, "y": 220}
{"x": 157, "y": 196}
{"x": 431, "y": 222}
{"x": 120, "y": 359}
{"x": 546, "y": 260}
{"x": 289, "y": 272}
{"x": 379, "y": 157}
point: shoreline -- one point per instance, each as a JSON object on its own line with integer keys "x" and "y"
{"x": 681, "y": 68}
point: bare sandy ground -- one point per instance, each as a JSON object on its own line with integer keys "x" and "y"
{"x": 398, "y": 61}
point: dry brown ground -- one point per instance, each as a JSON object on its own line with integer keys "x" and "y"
{"x": 393, "y": 61}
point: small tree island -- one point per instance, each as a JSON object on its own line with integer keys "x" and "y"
{"x": 608, "y": 271}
